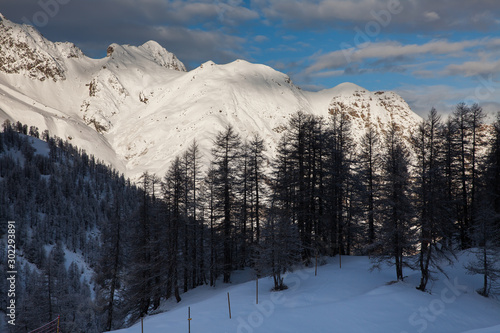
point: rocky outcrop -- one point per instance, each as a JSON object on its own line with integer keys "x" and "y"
{"x": 23, "y": 50}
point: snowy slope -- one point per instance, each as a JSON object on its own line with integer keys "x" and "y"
{"x": 138, "y": 108}
{"x": 350, "y": 299}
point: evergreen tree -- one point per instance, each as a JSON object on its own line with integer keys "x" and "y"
{"x": 226, "y": 152}
{"x": 109, "y": 271}
{"x": 434, "y": 222}
{"x": 468, "y": 122}
{"x": 301, "y": 152}
{"x": 257, "y": 180}
{"x": 493, "y": 169}
{"x": 55, "y": 278}
{"x": 451, "y": 170}
{"x": 213, "y": 215}
{"x": 340, "y": 184}
{"x": 486, "y": 231}
{"x": 245, "y": 190}
{"x": 369, "y": 173}
{"x": 192, "y": 161}
{"x": 140, "y": 273}
{"x": 174, "y": 195}
{"x": 397, "y": 239}
{"x": 280, "y": 247}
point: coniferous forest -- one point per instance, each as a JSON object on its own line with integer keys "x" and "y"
{"x": 412, "y": 203}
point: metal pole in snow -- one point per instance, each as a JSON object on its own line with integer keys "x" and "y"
{"x": 142, "y": 325}
{"x": 189, "y": 319}
{"x": 229, "y": 304}
{"x": 257, "y": 290}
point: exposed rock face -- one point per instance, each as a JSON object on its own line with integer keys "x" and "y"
{"x": 378, "y": 109}
{"x": 24, "y": 50}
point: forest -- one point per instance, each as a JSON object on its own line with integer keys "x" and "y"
{"x": 412, "y": 203}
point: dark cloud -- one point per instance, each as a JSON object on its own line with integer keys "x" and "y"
{"x": 195, "y": 31}
{"x": 191, "y": 44}
{"x": 390, "y": 15}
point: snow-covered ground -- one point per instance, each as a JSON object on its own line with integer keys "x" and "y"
{"x": 347, "y": 299}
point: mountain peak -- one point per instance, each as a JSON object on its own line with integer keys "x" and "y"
{"x": 377, "y": 109}
{"x": 150, "y": 50}
{"x": 26, "y": 51}
{"x": 163, "y": 57}
{"x": 348, "y": 87}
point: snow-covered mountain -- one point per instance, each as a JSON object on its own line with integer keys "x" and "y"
{"x": 138, "y": 107}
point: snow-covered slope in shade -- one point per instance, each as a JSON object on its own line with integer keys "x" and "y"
{"x": 137, "y": 108}
{"x": 350, "y": 299}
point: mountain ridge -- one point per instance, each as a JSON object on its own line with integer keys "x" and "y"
{"x": 138, "y": 107}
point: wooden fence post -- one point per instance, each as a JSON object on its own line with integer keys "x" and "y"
{"x": 316, "y": 265}
{"x": 189, "y": 319}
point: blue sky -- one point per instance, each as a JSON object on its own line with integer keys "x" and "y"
{"x": 434, "y": 53}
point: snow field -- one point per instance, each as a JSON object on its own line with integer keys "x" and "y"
{"x": 350, "y": 299}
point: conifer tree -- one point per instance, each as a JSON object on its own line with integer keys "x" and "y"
{"x": 280, "y": 246}
{"x": 468, "y": 122}
{"x": 486, "y": 231}
{"x": 213, "y": 215}
{"x": 397, "y": 239}
{"x": 340, "y": 183}
{"x": 433, "y": 219}
{"x": 192, "y": 160}
{"x": 225, "y": 154}
{"x": 257, "y": 179}
{"x": 109, "y": 271}
{"x": 140, "y": 274}
{"x": 174, "y": 195}
{"x": 369, "y": 173}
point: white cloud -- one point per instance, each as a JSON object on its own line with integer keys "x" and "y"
{"x": 329, "y": 73}
{"x": 444, "y": 98}
{"x": 387, "y": 50}
{"x": 431, "y": 16}
{"x": 473, "y": 68}
{"x": 260, "y": 38}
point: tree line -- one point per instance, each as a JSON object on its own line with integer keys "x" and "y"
{"x": 407, "y": 201}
